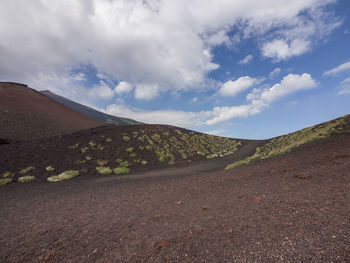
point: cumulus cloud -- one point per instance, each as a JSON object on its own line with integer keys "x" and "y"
{"x": 246, "y": 60}
{"x": 232, "y": 88}
{"x": 123, "y": 87}
{"x": 173, "y": 117}
{"x": 340, "y": 68}
{"x": 102, "y": 91}
{"x": 280, "y": 49}
{"x": 146, "y": 92}
{"x": 260, "y": 100}
{"x": 166, "y": 43}
{"x": 275, "y": 73}
{"x": 289, "y": 84}
{"x": 344, "y": 87}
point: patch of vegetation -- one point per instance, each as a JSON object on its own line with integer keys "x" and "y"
{"x": 102, "y": 163}
{"x": 49, "y": 168}
{"x": 5, "y": 181}
{"x": 124, "y": 164}
{"x": 119, "y": 160}
{"x": 84, "y": 149}
{"x": 26, "y": 179}
{"x": 132, "y": 155}
{"x": 130, "y": 149}
{"x": 8, "y": 175}
{"x": 100, "y": 147}
{"x": 103, "y": 170}
{"x": 283, "y": 144}
{"x": 63, "y": 176}
{"x": 121, "y": 170}
{"x": 72, "y": 147}
{"x": 26, "y": 170}
{"x": 80, "y": 161}
{"x": 92, "y": 144}
{"x": 108, "y": 140}
{"x": 148, "y": 147}
{"x": 144, "y": 163}
{"x": 126, "y": 138}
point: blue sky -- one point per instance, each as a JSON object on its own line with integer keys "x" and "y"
{"x": 236, "y": 68}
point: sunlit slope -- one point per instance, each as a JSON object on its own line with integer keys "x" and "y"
{"x": 285, "y": 143}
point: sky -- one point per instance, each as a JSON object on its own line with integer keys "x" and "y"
{"x": 238, "y": 68}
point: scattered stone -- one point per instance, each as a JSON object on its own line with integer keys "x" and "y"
{"x": 27, "y": 169}
{"x": 26, "y": 179}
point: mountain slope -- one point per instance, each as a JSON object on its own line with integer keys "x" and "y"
{"x": 26, "y": 114}
{"x": 94, "y": 114}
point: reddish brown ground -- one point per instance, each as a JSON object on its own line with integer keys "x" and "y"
{"x": 292, "y": 208}
{"x": 27, "y": 114}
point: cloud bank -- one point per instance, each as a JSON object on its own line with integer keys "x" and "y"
{"x": 155, "y": 46}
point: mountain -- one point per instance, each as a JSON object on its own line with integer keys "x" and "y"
{"x": 26, "y": 114}
{"x": 94, "y": 114}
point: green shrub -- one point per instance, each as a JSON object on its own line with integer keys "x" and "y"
{"x": 121, "y": 170}
{"x": 27, "y": 169}
{"x": 126, "y": 138}
{"x": 103, "y": 170}
{"x": 63, "y": 176}
{"x": 26, "y": 179}
{"x": 5, "y": 181}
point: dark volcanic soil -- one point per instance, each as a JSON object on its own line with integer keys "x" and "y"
{"x": 292, "y": 208}
{"x": 26, "y": 114}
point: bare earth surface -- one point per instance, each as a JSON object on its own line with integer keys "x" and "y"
{"x": 292, "y": 208}
{"x": 26, "y": 114}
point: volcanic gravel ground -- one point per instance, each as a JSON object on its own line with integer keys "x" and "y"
{"x": 292, "y": 208}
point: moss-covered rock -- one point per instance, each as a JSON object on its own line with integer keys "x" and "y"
{"x": 121, "y": 170}
{"x": 26, "y": 179}
{"x": 26, "y": 170}
{"x": 63, "y": 176}
{"x": 5, "y": 181}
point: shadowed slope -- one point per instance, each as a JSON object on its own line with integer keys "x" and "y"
{"x": 26, "y": 114}
{"x": 94, "y": 114}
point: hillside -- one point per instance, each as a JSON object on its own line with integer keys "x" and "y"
{"x": 286, "y": 143}
{"x": 26, "y": 114}
{"x": 130, "y": 148}
{"x": 94, "y": 114}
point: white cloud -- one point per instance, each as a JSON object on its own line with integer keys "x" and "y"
{"x": 261, "y": 99}
{"x": 173, "y": 117}
{"x": 340, "y": 68}
{"x": 345, "y": 81}
{"x": 123, "y": 87}
{"x": 246, "y": 60}
{"x": 146, "y": 92}
{"x": 195, "y": 99}
{"x": 102, "y": 91}
{"x": 279, "y": 49}
{"x": 275, "y": 72}
{"x": 289, "y": 84}
{"x": 231, "y": 88}
{"x": 167, "y": 43}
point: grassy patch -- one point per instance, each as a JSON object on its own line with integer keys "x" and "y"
{"x": 121, "y": 170}
{"x": 26, "y": 170}
{"x": 126, "y": 138}
{"x": 103, "y": 170}
{"x": 49, "y": 168}
{"x": 63, "y": 176}
{"x": 8, "y": 175}
{"x": 5, "y": 181}
{"x": 26, "y": 179}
